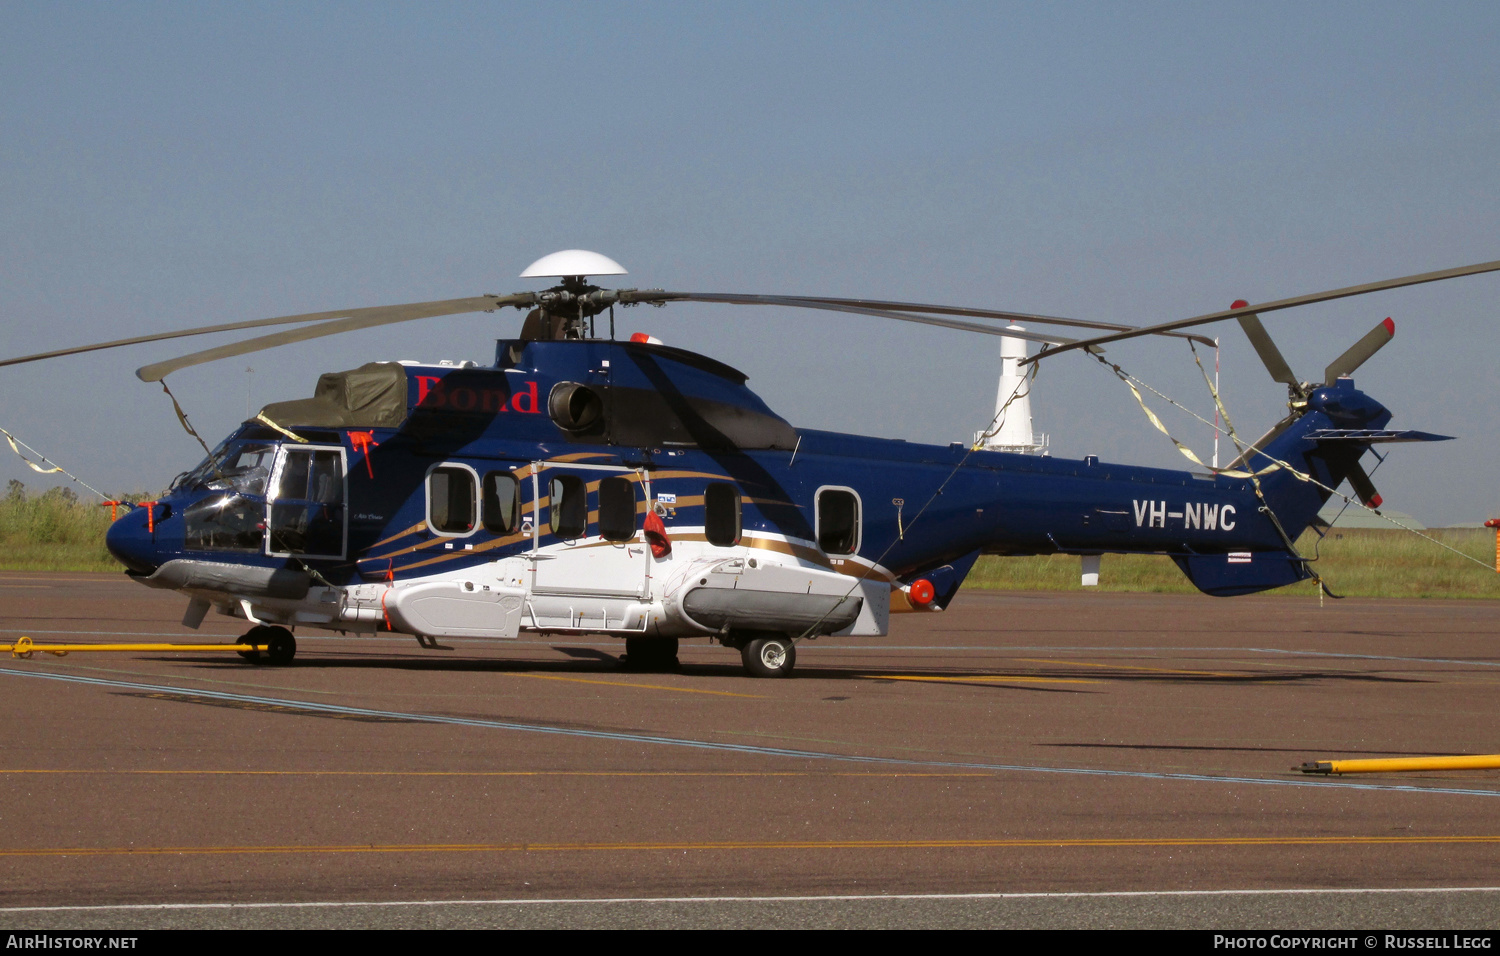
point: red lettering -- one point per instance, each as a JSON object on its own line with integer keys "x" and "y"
{"x": 430, "y": 385}
{"x": 528, "y": 397}
{"x": 433, "y": 393}
{"x": 462, "y": 399}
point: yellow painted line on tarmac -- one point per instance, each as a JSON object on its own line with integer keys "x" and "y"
{"x": 1133, "y": 667}
{"x": 1141, "y": 843}
{"x": 625, "y": 683}
{"x": 996, "y": 678}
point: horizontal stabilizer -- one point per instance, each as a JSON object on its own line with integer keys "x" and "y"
{"x": 1372, "y": 436}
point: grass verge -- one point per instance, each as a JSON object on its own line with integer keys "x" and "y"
{"x": 1355, "y": 563}
{"x": 52, "y": 531}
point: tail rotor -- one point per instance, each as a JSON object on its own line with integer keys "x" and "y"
{"x": 1298, "y": 390}
{"x": 1359, "y": 353}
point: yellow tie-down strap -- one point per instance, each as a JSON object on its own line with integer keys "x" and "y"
{"x": 25, "y": 647}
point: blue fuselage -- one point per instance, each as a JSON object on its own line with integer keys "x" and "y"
{"x": 684, "y": 422}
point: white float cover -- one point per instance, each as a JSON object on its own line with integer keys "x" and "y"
{"x": 573, "y": 262}
{"x": 457, "y": 609}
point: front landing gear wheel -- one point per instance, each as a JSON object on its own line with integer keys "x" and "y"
{"x": 769, "y": 656}
{"x": 280, "y": 645}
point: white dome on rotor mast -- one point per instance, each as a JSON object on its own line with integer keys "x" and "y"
{"x": 573, "y": 262}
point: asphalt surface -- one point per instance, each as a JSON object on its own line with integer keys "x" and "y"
{"x": 1003, "y": 763}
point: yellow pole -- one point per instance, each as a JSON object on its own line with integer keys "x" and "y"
{"x": 1495, "y": 523}
{"x": 1401, "y": 764}
{"x": 25, "y": 647}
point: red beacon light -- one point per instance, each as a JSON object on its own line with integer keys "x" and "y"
{"x": 921, "y": 592}
{"x": 641, "y": 338}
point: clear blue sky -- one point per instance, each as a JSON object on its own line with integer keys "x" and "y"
{"x": 166, "y": 165}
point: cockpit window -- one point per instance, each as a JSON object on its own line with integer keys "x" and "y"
{"x": 236, "y": 465}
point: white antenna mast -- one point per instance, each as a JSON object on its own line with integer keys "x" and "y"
{"x": 1011, "y": 428}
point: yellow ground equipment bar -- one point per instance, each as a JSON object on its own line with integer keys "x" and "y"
{"x": 1401, "y": 764}
{"x": 25, "y": 647}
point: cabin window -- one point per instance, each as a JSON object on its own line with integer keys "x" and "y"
{"x": 617, "y": 509}
{"x": 307, "y": 510}
{"x": 451, "y": 500}
{"x": 569, "y": 512}
{"x": 838, "y": 520}
{"x": 502, "y": 502}
{"x": 721, "y": 514}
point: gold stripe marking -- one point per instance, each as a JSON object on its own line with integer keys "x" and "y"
{"x": 397, "y": 536}
{"x": 577, "y": 456}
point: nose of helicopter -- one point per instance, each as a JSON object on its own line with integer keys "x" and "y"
{"x": 132, "y": 542}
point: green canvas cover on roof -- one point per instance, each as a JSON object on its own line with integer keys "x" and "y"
{"x": 371, "y": 396}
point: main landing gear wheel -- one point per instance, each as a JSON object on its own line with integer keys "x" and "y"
{"x": 280, "y": 645}
{"x": 769, "y": 656}
{"x": 650, "y": 653}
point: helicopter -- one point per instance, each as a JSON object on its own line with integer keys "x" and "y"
{"x": 587, "y": 484}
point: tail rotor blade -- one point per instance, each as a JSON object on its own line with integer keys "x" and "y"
{"x": 1269, "y": 354}
{"x": 1360, "y": 352}
{"x": 1359, "y": 480}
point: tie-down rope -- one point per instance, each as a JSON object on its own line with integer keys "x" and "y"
{"x": 1254, "y": 476}
{"x": 16, "y": 445}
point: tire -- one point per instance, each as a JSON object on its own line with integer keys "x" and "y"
{"x": 281, "y": 646}
{"x": 769, "y": 656}
{"x": 650, "y": 653}
{"x": 256, "y": 635}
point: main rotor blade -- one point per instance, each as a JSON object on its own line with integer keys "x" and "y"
{"x": 901, "y": 311}
{"x": 202, "y": 330}
{"x": 996, "y": 314}
{"x": 1275, "y": 305}
{"x": 353, "y": 320}
{"x": 1360, "y": 352}
{"x": 1270, "y": 355}
{"x": 796, "y": 303}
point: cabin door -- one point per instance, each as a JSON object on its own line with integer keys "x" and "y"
{"x": 587, "y": 539}
{"x": 307, "y": 517}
